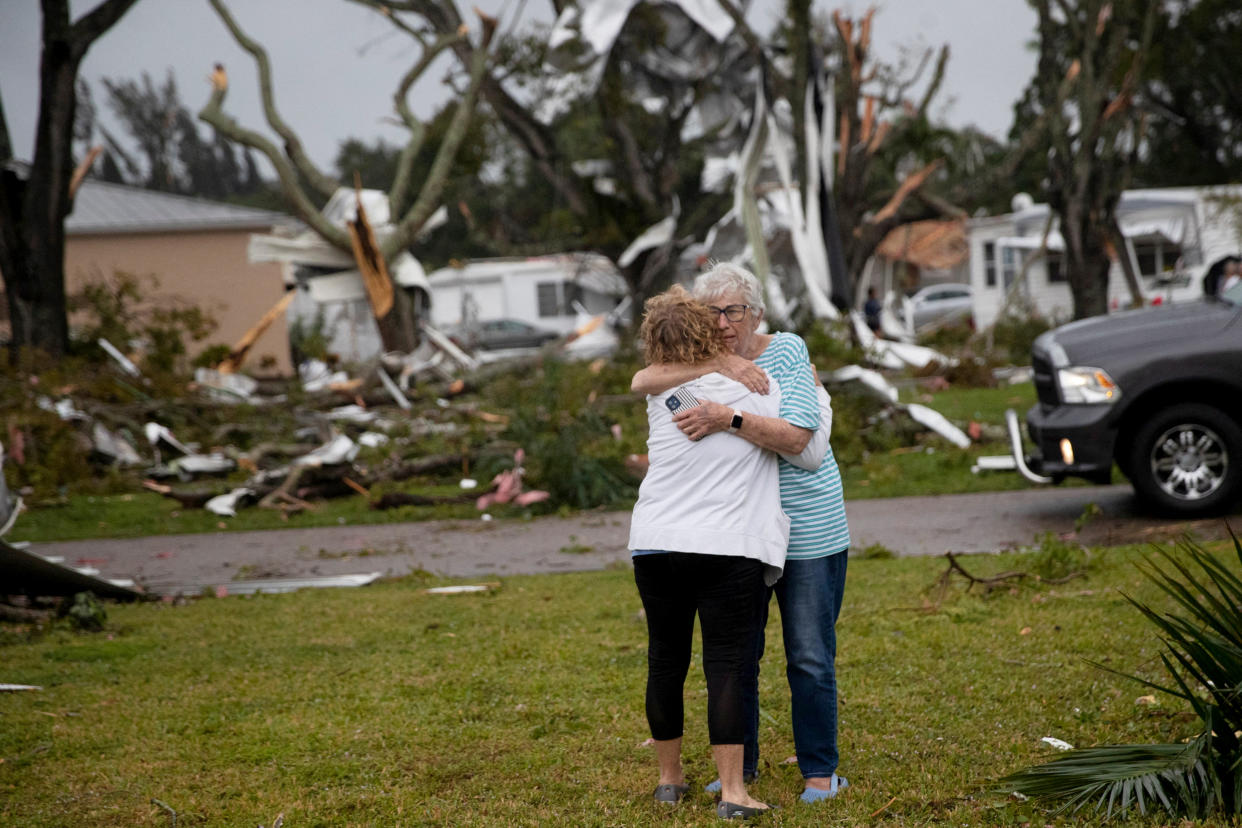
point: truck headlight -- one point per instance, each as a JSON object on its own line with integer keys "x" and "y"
{"x": 1083, "y": 384}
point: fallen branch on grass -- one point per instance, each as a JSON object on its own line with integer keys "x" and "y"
{"x": 171, "y": 813}
{"x": 997, "y": 581}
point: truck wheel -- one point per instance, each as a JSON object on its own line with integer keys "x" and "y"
{"x": 1187, "y": 460}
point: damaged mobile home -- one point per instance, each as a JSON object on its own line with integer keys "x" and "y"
{"x": 1172, "y": 236}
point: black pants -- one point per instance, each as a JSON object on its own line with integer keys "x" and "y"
{"x": 728, "y": 594}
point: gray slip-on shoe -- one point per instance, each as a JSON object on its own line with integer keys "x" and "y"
{"x": 670, "y": 794}
{"x": 730, "y": 810}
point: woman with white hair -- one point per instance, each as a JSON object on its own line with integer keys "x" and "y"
{"x": 810, "y": 591}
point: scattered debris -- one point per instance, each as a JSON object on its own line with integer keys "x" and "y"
{"x": 889, "y": 353}
{"x": 17, "y": 688}
{"x": 873, "y": 380}
{"x": 939, "y": 424}
{"x": 316, "y": 375}
{"x": 462, "y": 588}
{"x": 1057, "y": 743}
{"x": 876, "y": 383}
{"x": 25, "y": 573}
{"x": 10, "y": 504}
{"x": 391, "y": 388}
{"x": 226, "y": 505}
{"x": 126, "y": 365}
{"x": 340, "y": 449}
{"x": 507, "y": 486}
{"x": 278, "y": 585}
{"x": 228, "y": 387}
{"x": 994, "y": 462}
{"x": 232, "y": 363}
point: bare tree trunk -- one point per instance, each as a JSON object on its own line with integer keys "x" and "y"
{"x": 799, "y": 14}
{"x": 33, "y": 212}
{"x": 1089, "y": 64}
{"x": 1086, "y": 261}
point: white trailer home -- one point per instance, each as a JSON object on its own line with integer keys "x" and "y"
{"x": 545, "y": 291}
{"x": 1172, "y": 236}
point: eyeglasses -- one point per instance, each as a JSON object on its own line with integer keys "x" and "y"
{"x": 734, "y": 313}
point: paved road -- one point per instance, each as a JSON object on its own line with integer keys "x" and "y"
{"x": 970, "y": 523}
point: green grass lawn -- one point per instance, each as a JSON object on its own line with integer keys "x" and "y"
{"x": 387, "y": 706}
{"x": 933, "y": 466}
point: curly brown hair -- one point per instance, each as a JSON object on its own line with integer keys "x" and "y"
{"x": 678, "y": 328}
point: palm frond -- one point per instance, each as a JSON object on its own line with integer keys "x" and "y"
{"x": 1205, "y": 641}
{"x": 1202, "y": 639}
{"x": 1178, "y": 778}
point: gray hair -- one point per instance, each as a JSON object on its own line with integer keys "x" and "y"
{"x": 723, "y": 278}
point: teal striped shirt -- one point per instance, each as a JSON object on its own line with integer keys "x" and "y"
{"x": 814, "y": 500}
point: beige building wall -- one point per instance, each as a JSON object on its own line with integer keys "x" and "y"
{"x": 206, "y": 268}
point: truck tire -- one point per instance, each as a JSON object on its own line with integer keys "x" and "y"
{"x": 1186, "y": 460}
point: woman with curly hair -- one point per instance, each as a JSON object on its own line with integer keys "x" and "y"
{"x": 708, "y": 538}
{"x": 812, "y": 587}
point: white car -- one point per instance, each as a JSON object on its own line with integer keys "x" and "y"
{"x": 939, "y": 304}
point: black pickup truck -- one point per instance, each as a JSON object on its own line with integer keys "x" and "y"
{"x": 1157, "y": 391}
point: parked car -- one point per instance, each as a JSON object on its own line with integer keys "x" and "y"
{"x": 1157, "y": 391}
{"x": 939, "y": 304}
{"x": 501, "y": 334}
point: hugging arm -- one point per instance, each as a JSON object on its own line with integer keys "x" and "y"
{"x": 771, "y": 433}
{"x": 658, "y": 378}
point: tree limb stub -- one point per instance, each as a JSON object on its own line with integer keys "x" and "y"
{"x": 233, "y": 361}
{"x": 83, "y": 169}
{"x": 371, "y": 265}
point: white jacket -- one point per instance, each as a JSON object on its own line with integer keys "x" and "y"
{"x": 718, "y": 496}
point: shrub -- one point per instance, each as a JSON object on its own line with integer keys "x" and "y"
{"x": 117, "y": 309}
{"x": 1013, "y": 335}
{"x": 831, "y": 345}
{"x": 558, "y": 419}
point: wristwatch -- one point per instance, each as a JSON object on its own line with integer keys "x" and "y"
{"x": 736, "y": 422}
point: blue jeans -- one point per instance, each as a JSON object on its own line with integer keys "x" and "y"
{"x": 809, "y": 596}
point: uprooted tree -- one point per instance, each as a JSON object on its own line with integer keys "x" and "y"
{"x": 34, "y": 206}
{"x": 411, "y": 204}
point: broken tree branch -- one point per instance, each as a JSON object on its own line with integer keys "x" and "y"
{"x": 83, "y": 169}
{"x": 237, "y": 356}
{"x": 995, "y": 581}
{"x": 937, "y": 78}
{"x": 911, "y": 183}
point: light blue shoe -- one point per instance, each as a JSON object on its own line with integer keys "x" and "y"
{"x": 714, "y": 785}
{"x": 839, "y": 783}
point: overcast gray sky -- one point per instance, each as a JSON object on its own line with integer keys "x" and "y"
{"x": 336, "y": 64}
